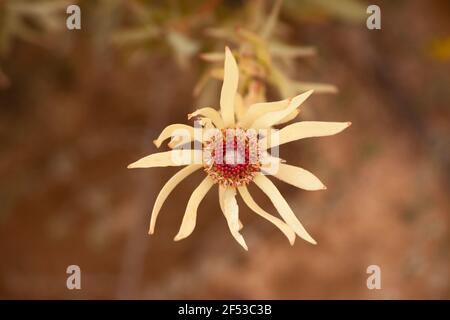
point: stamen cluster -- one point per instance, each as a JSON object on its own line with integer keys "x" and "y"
{"x": 231, "y": 157}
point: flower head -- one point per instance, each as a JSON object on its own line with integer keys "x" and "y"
{"x": 232, "y": 149}
{"x": 230, "y": 157}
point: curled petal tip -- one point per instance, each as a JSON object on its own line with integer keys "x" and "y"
{"x": 349, "y": 124}
{"x": 310, "y": 239}
{"x": 189, "y": 116}
{"x": 157, "y": 143}
{"x": 130, "y": 166}
{"x": 178, "y": 238}
{"x": 309, "y": 93}
{"x": 324, "y": 188}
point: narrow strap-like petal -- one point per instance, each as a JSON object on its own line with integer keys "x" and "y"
{"x": 282, "y": 206}
{"x": 229, "y": 89}
{"x": 167, "y": 189}
{"x": 209, "y": 113}
{"x": 175, "y": 130}
{"x": 239, "y": 108}
{"x": 231, "y": 212}
{"x": 190, "y": 215}
{"x": 269, "y": 119}
{"x": 258, "y": 109}
{"x": 289, "y": 117}
{"x": 305, "y": 129}
{"x": 169, "y": 158}
{"x": 250, "y": 202}
{"x": 298, "y": 177}
{"x": 221, "y": 191}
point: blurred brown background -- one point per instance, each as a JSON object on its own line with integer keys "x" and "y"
{"x": 77, "y": 107}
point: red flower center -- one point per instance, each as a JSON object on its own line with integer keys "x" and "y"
{"x": 232, "y": 157}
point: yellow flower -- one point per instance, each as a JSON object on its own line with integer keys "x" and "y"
{"x": 234, "y": 153}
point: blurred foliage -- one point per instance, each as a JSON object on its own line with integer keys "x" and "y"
{"x": 64, "y": 183}
{"x": 350, "y": 11}
{"x": 29, "y": 21}
{"x": 135, "y": 26}
{"x": 262, "y": 54}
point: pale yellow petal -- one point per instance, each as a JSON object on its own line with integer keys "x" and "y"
{"x": 169, "y": 158}
{"x": 239, "y": 107}
{"x": 271, "y": 118}
{"x": 298, "y": 177}
{"x": 221, "y": 191}
{"x": 209, "y": 113}
{"x": 248, "y": 199}
{"x": 167, "y": 189}
{"x": 305, "y": 129}
{"x": 206, "y": 123}
{"x": 190, "y": 215}
{"x": 229, "y": 89}
{"x": 259, "y": 109}
{"x": 268, "y": 160}
{"x": 282, "y": 206}
{"x": 289, "y": 117}
{"x": 175, "y": 141}
{"x": 175, "y": 130}
{"x": 231, "y": 213}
